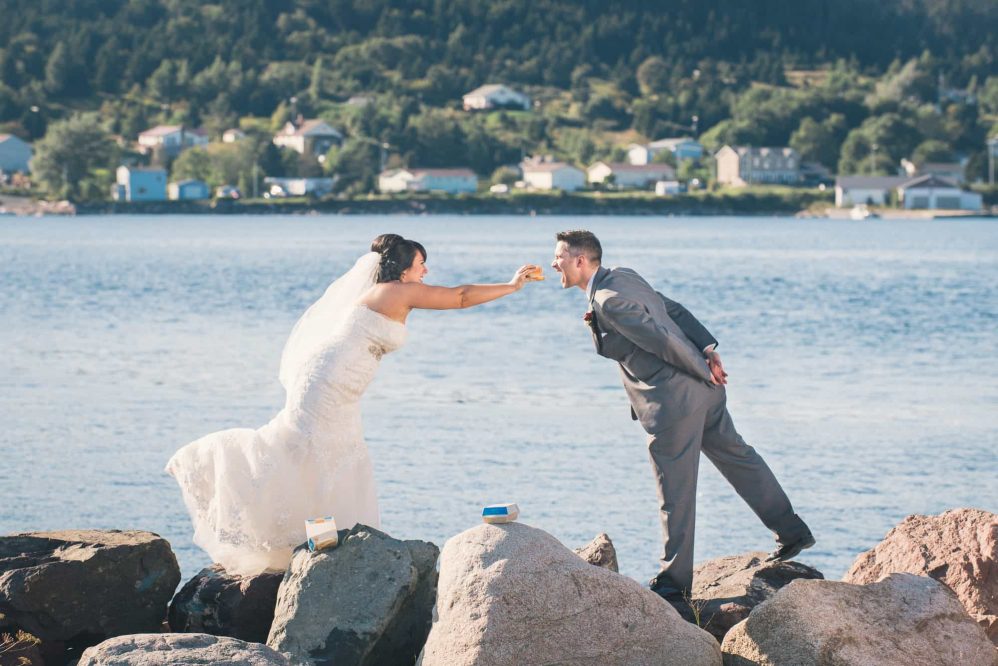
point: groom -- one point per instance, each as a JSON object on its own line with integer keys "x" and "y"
{"x": 674, "y": 379}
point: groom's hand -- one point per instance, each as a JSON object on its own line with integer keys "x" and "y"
{"x": 717, "y": 373}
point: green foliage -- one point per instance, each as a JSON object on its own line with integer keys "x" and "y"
{"x": 67, "y": 159}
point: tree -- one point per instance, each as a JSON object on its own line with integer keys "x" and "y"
{"x": 819, "y": 142}
{"x": 653, "y": 76}
{"x": 193, "y": 163}
{"x": 932, "y": 151}
{"x": 162, "y": 83}
{"x": 70, "y": 154}
{"x": 315, "y": 86}
{"x": 58, "y": 70}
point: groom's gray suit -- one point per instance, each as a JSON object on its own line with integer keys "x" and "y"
{"x": 659, "y": 346}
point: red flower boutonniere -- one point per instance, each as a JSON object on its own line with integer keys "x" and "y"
{"x": 588, "y": 317}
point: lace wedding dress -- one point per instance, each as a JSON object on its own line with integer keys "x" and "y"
{"x": 248, "y": 491}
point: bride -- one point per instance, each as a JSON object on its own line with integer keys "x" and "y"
{"x": 248, "y": 491}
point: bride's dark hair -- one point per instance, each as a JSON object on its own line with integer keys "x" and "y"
{"x": 397, "y": 254}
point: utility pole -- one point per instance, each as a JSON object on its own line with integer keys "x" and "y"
{"x": 992, "y": 144}
{"x": 256, "y": 181}
{"x": 873, "y": 165}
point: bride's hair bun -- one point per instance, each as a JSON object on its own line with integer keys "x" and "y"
{"x": 397, "y": 255}
{"x": 385, "y": 242}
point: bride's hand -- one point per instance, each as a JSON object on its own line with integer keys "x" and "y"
{"x": 526, "y": 273}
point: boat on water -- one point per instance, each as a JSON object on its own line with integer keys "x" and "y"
{"x": 862, "y": 212}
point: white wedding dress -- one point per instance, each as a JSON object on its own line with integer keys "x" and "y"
{"x": 248, "y": 491}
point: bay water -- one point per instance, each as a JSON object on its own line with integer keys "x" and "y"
{"x": 861, "y": 359}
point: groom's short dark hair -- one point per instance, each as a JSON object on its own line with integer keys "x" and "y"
{"x": 584, "y": 242}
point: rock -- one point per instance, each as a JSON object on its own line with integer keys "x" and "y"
{"x": 180, "y": 650}
{"x": 215, "y": 602}
{"x": 726, "y": 590}
{"x": 368, "y": 601}
{"x": 83, "y": 586}
{"x": 904, "y": 619}
{"x": 599, "y": 552}
{"x": 513, "y": 595}
{"x": 959, "y": 548}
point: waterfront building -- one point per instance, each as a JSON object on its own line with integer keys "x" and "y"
{"x": 664, "y": 188}
{"x": 951, "y": 171}
{"x": 932, "y": 192}
{"x": 134, "y": 183}
{"x": 15, "y": 154}
{"x": 543, "y": 175}
{"x": 495, "y": 96}
{"x": 308, "y": 137}
{"x": 629, "y": 176}
{"x": 298, "y": 187}
{"x": 188, "y": 190}
{"x": 451, "y": 181}
{"x": 865, "y": 190}
{"x": 683, "y": 148}
{"x": 747, "y": 165}
{"x": 171, "y": 139}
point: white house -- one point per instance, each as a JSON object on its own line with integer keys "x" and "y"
{"x": 933, "y": 192}
{"x": 139, "y": 184}
{"x": 863, "y": 190}
{"x": 684, "y": 148}
{"x": 664, "y": 188}
{"x": 630, "y": 175}
{"x": 746, "y": 165}
{"x": 495, "y": 96}
{"x": 308, "y": 137}
{"x": 951, "y": 171}
{"x": 553, "y": 176}
{"x": 298, "y": 187}
{"x": 233, "y": 135}
{"x": 451, "y": 181}
{"x": 188, "y": 190}
{"x": 15, "y": 154}
{"x": 172, "y": 139}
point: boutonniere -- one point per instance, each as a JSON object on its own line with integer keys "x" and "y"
{"x": 590, "y": 319}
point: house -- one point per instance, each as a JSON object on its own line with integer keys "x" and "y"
{"x": 951, "y": 171}
{"x": 933, "y": 192}
{"x": 135, "y": 183}
{"x": 172, "y": 139}
{"x": 188, "y": 190}
{"x": 865, "y": 190}
{"x": 495, "y": 96}
{"x": 665, "y": 188}
{"x": 15, "y": 154}
{"x": 298, "y": 187}
{"x": 233, "y": 135}
{"x": 635, "y": 176}
{"x": 684, "y": 148}
{"x": 746, "y": 165}
{"x": 552, "y": 176}
{"x": 451, "y": 181}
{"x": 308, "y": 137}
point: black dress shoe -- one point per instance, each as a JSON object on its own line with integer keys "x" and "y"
{"x": 791, "y": 550}
{"x": 664, "y": 588}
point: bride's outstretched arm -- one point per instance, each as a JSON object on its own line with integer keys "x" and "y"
{"x": 426, "y": 297}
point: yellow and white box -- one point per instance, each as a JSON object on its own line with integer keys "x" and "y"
{"x": 321, "y": 533}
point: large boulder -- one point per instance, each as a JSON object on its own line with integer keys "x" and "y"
{"x": 80, "y": 587}
{"x": 513, "y": 595}
{"x": 905, "y": 619}
{"x": 218, "y": 603}
{"x": 600, "y": 552}
{"x": 726, "y": 590}
{"x": 368, "y": 601}
{"x": 958, "y": 548}
{"x": 180, "y": 650}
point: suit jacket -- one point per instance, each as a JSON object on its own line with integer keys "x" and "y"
{"x": 658, "y": 344}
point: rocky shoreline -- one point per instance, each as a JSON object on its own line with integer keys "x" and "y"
{"x": 502, "y": 595}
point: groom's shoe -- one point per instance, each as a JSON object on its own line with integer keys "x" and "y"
{"x": 791, "y": 550}
{"x": 679, "y": 599}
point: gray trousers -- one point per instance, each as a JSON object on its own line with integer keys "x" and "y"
{"x": 675, "y": 460}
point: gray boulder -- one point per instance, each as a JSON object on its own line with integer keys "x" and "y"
{"x": 83, "y": 586}
{"x": 218, "y": 603}
{"x": 600, "y": 552}
{"x": 959, "y": 548}
{"x": 180, "y": 650}
{"x": 725, "y": 590}
{"x": 905, "y": 620}
{"x": 368, "y": 601}
{"x": 512, "y": 595}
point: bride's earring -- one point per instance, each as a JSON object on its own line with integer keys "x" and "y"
{"x": 402, "y": 277}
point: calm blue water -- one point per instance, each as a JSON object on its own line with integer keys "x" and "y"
{"x": 861, "y": 359}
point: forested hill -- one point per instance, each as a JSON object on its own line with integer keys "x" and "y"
{"x": 444, "y": 47}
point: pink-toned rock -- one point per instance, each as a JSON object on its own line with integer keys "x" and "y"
{"x": 959, "y": 548}
{"x": 600, "y": 552}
